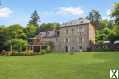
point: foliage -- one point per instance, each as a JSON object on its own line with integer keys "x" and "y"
{"x": 33, "y": 25}
{"x": 16, "y": 31}
{"x": 16, "y": 36}
{"x": 13, "y": 35}
{"x": 49, "y": 26}
{"x": 103, "y": 49}
{"x": 115, "y": 12}
{"x": 35, "y": 19}
{"x": 3, "y": 39}
{"x": 109, "y": 30}
{"x": 43, "y": 51}
{"x": 19, "y": 54}
{"x": 114, "y": 35}
{"x": 95, "y": 17}
{"x": 103, "y": 32}
{"x": 19, "y": 44}
{"x": 31, "y": 30}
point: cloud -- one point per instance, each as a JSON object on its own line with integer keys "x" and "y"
{"x": 70, "y": 11}
{"x": 5, "y": 12}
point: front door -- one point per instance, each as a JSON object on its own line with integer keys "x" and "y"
{"x": 66, "y": 49}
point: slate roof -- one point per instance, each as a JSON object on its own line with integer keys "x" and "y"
{"x": 76, "y": 22}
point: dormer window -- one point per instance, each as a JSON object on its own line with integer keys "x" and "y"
{"x": 81, "y": 21}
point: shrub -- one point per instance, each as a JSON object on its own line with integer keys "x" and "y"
{"x": 43, "y": 52}
{"x": 20, "y": 54}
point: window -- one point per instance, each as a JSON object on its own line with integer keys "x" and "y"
{"x": 47, "y": 33}
{"x": 72, "y": 48}
{"x": 57, "y": 33}
{"x": 82, "y": 40}
{"x": 66, "y": 31}
{"x": 72, "y": 29}
{"x": 81, "y": 29}
{"x": 66, "y": 40}
{"x": 80, "y": 47}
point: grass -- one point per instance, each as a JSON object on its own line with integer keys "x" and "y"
{"x": 59, "y": 66}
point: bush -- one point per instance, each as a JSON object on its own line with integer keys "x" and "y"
{"x": 102, "y": 49}
{"x": 20, "y": 54}
{"x": 44, "y": 51}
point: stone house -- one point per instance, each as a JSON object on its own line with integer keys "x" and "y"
{"x": 74, "y": 36}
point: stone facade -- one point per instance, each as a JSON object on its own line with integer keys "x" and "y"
{"x": 73, "y": 36}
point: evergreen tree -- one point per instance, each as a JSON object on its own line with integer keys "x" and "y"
{"x": 33, "y": 25}
{"x": 35, "y": 19}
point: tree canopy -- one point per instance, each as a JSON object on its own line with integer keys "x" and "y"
{"x": 115, "y": 12}
{"x": 95, "y": 17}
{"x": 49, "y": 26}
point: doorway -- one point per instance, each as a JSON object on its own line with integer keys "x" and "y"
{"x": 67, "y": 49}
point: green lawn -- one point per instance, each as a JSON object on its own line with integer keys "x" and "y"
{"x": 59, "y": 66}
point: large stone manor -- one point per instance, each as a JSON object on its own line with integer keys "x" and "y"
{"x": 73, "y": 36}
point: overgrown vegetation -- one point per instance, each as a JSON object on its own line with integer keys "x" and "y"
{"x": 15, "y": 37}
{"x": 106, "y": 30}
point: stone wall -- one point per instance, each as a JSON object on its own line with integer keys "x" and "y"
{"x": 74, "y": 38}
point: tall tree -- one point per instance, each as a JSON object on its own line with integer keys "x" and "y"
{"x": 31, "y": 30}
{"x": 33, "y": 25}
{"x": 35, "y": 19}
{"x": 4, "y": 37}
{"x": 114, "y": 35}
{"x": 15, "y": 33}
{"x": 95, "y": 17}
{"x": 18, "y": 44}
{"x": 115, "y": 12}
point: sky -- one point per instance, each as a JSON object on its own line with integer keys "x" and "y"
{"x": 19, "y": 11}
